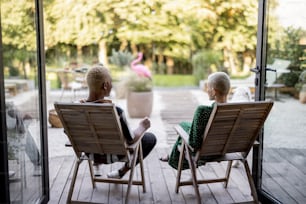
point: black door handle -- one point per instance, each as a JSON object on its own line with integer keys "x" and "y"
{"x": 270, "y": 69}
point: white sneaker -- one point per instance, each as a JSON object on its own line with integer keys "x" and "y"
{"x": 114, "y": 174}
{"x": 97, "y": 171}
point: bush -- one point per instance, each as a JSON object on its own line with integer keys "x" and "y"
{"x": 203, "y": 62}
{"x": 301, "y": 81}
{"x": 289, "y": 79}
{"x": 121, "y": 59}
{"x": 138, "y": 83}
{"x": 13, "y": 71}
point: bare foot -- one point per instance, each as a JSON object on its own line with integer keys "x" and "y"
{"x": 140, "y": 130}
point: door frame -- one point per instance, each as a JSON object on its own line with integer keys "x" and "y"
{"x": 42, "y": 100}
{"x": 40, "y": 53}
{"x": 260, "y": 71}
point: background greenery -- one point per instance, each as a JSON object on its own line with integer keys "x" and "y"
{"x": 173, "y": 80}
{"x": 170, "y": 34}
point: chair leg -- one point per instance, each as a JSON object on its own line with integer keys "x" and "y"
{"x": 75, "y": 173}
{"x": 179, "y": 169}
{"x": 131, "y": 174}
{"x": 228, "y": 172}
{"x": 140, "y": 156}
{"x": 91, "y": 174}
{"x": 251, "y": 182}
{"x": 193, "y": 174}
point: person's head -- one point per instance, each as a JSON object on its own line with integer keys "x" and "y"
{"x": 218, "y": 85}
{"x": 99, "y": 81}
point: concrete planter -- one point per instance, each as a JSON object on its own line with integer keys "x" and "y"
{"x": 139, "y": 104}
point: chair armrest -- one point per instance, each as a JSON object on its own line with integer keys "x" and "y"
{"x": 135, "y": 143}
{"x": 256, "y": 143}
{"x": 184, "y": 135}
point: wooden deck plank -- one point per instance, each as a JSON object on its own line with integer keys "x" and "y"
{"x": 146, "y": 197}
{"x": 116, "y": 190}
{"x": 86, "y": 190}
{"x": 59, "y": 190}
{"x": 239, "y": 179}
{"x": 101, "y": 192}
{"x": 158, "y": 185}
{"x": 272, "y": 179}
{"x": 287, "y": 176}
{"x": 220, "y": 193}
{"x": 78, "y": 183}
{"x": 169, "y": 176}
{"x": 238, "y": 186}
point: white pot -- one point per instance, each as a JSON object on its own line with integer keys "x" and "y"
{"x": 139, "y": 104}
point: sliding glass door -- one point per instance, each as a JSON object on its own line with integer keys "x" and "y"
{"x": 22, "y": 103}
{"x": 281, "y": 70}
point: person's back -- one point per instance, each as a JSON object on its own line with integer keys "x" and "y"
{"x": 218, "y": 87}
{"x": 99, "y": 84}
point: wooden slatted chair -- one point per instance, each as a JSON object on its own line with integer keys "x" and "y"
{"x": 230, "y": 134}
{"x": 95, "y": 128}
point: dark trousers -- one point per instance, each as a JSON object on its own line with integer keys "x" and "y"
{"x": 148, "y": 142}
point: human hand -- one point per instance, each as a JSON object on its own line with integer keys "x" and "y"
{"x": 145, "y": 123}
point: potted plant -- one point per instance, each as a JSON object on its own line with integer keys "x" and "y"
{"x": 120, "y": 62}
{"x": 140, "y": 96}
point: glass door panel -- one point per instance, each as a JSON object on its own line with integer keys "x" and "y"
{"x": 284, "y": 141}
{"x": 22, "y": 100}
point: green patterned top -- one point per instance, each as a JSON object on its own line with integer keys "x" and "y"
{"x": 195, "y": 130}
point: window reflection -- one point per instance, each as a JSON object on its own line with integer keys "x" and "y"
{"x": 22, "y": 100}
{"x": 284, "y": 137}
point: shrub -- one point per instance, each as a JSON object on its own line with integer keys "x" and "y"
{"x": 138, "y": 83}
{"x": 289, "y": 79}
{"x": 203, "y": 62}
{"x": 121, "y": 59}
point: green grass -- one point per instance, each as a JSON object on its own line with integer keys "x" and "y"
{"x": 158, "y": 80}
{"x": 173, "y": 80}
{"x": 161, "y": 80}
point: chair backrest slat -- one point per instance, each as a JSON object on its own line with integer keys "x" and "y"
{"x": 92, "y": 128}
{"x": 234, "y": 127}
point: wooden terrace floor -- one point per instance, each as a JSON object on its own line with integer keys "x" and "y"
{"x": 160, "y": 177}
{"x": 160, "y": 184}
{"x": 284, "y": 172}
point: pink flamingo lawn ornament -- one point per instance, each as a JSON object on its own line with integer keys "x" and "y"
{"x": 140, "y": 69}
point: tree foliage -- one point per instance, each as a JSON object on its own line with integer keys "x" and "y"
{"x": 165, "y": 31}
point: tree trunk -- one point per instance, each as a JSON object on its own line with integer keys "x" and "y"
{"x": 230, "y": 61}
{"x": 170, "y": 65}
{"x": 134, "y": 49}
{"x": 79, "y": 54}
{"x": 103, "y": 53}
{"x": 160, "y": 63}
{"x": 248, "y": 61}
{"x": 123, "y": 45}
